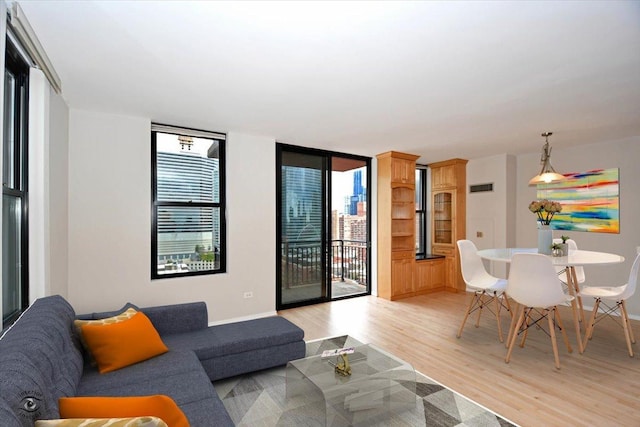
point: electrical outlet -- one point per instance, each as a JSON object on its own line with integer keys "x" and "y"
{"x": 479, "y": 234}
{"x": 248, "y": 294}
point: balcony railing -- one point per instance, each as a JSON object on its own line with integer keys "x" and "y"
{"x": 302, "y": 262}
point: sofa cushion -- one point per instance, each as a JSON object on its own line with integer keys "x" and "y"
{"x": 178, "y": 318}
{"x": 40, "y": 360}
{"x": 183, "y": 379}
{"x": 251, "y": 361}
{"x": 116, "y": 345}
{"x": 158, "y": 405}
{"x": 238, "y": 337}
{"x": 172, "y": 364}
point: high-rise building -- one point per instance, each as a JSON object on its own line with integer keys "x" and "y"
{"x": 186, "y": 177}
{"x": 359, "y": 193}
{"x": 354, "y": 228}
{"x": 357, "y": 183}
{"x": 347, "y": 205}
{"x": 335, "y": 231}
{"x": 302, "y": 202}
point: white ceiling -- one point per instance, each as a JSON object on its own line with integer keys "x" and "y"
{"x": 438, "y": 79}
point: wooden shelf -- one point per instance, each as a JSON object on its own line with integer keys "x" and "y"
{"x": 405, "y": 234}
{"x": 448, "y": 222}
{"x": 396, "y": 224}
{"x": 403, "y": 210}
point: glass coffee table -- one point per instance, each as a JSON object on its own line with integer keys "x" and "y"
{"x": 380, "y": 385}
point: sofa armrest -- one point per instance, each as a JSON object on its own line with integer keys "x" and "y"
{"x": 178, "y": 318}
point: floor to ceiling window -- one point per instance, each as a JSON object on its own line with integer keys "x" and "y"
{"x": 15, "y": 269}
{"x": 323, "y": 230}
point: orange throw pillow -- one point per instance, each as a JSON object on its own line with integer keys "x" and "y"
{"x": 125, "y": 315}
{"x": 117, "y": 345}
{"x": 158, "y": 405}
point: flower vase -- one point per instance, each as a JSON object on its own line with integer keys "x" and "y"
{"x": 545, "y": 239}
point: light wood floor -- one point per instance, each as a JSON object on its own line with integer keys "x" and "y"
{"x": 600, "y": 387}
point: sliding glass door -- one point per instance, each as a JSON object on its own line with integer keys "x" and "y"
{"x": 323, "y": 228}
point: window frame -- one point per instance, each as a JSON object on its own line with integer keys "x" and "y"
{"x": 20, "y": 188}
{"x": 156, "y": 204}
{"x": 421, "y": 211}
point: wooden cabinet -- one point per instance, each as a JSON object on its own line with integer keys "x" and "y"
{"x": 396, "y": 224}
{"x": 399, "y": 274}
{"x": 403, "y": 171}
{"x": 444, "y": 176}
{"x": 448, "y": 219}
{"x": 402, "y": 265}
{"x": 429, "y": 275}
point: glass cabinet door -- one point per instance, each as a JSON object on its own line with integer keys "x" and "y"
{"x": 443, "y": 217}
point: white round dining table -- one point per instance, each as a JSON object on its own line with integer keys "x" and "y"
{"x": 576, "y": 258}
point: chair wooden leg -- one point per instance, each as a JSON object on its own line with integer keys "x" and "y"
{"x": 576, "y": 322}
{"x": 466, "y": 315}
{"x": 626, "y": 325}
{"x": 526, "y": 325}
{"x": 563, "y": 331}
{"x": 498, "y": 307}
{"x": 514, "y": 334}
{"x": 624, "y": 307}
{"x": 512, "y": 324}
{"x": 481, "y": 306}
{"x": 507, "y": 304}
{"x": 576, "y": 287}
{"x": 592, "y": 322}
{"x": 552, "y": 333}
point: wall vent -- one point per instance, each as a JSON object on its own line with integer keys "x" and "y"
{"x": 480, "y": 188}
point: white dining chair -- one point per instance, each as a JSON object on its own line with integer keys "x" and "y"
{"x": 579, "y": 275}
{"x": 534, "y": 284}
{"x": 616, "y": 295}
{"x": 486, "y": 288}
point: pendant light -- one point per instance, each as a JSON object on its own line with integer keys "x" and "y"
{"x": 547, "y": 174}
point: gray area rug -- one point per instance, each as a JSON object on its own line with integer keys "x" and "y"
{"x": 259, "y": 399}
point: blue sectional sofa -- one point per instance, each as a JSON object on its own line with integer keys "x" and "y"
{"x": 41, "y": 360}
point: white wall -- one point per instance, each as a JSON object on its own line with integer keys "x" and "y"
{"x": 110, "y": 222}
{"x": 58, "y": 142}
{"x": 622, "y": 154}
{"x": 487, "y": 212}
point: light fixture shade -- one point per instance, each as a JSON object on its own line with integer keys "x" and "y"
{"x": 546, "y": 178}
{"x": 547, "y": 174}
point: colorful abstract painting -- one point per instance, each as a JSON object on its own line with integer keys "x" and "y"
{"x": 590, "y": 201}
